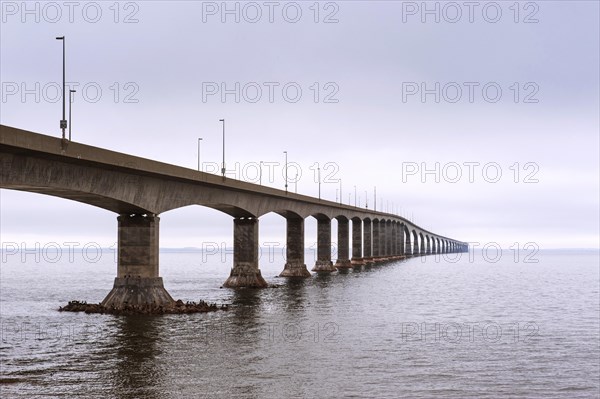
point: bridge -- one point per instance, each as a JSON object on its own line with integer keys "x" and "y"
{"x": 139, "y": 190}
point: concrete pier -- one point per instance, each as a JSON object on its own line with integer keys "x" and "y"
{"x": 245, "y": 271}
{"x": 389, "y": 242}
{"x": 416, "y": 251}
{"x": 367, "y": 244}
{"x": 343, "y": 259}
{"x": 375, "y": 246}
{"x": 324, "y": 263}
{"x": 394, "y": 240}
{"x": 137, "y": 282}
{"x": 357, "y": 256}
{"x": 401, "y": 247}
{"x": 294, "y": 266}
{"x": 423, "y": 245}
{"x": 382, "y": 241}
{"x": 407, "y": 247}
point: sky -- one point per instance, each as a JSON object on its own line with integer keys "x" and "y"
{"x": 479, "y": 121}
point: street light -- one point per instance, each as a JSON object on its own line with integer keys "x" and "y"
{"x": 366, "y": 200}
{"x": 286, "y": 172}
{"x": 260, "y": 173}
{"x": 375, "y": 198}
{"x": 70, "y": 119}
{"x": 340, "y": 191}
{"x": 63, "y": 121}
{"x": 319, "y": 177}
{"x": 199, "y": 140}
{"x": 354, "y": 196}
{"x": 223, "y": 164}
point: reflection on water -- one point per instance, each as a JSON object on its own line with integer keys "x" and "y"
{"x": 138, "y": 342}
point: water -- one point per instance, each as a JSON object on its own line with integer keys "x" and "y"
{"x": 419, "y": 328}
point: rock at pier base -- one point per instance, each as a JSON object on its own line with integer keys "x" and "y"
{"x": 177, "y": 307}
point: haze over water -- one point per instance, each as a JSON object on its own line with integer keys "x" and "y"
{"x": 421, "y": 328}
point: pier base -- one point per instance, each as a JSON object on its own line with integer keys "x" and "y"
{"x": 324, "y": 266}
{"x": 295, "y": 270}
{"x": 137, "y": 291}
{"x": 245, "y": 275}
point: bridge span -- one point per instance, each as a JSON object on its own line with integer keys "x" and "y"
{"x": 139, "y": 190}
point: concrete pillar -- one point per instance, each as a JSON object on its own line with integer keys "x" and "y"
{"x": 323, "y": 263}
{"x": 401, "y": 248}
{"x": 416, "y": 251}
{"x": 375, "y": 249}
{"x": 245, "y": 271}
{"x": 367, "y": 248}
{"x": 343, "y": 259}
{"x": 294, "y": 266}
{"x": 428, "y": 239}
{"x": 394, "y": 239}
{"x": 423, "y": 244}
{"x": 382, "y": 239}
{"x": 357, "y": 256}
{"x": 137, "y": 282}
{"x": 407, "y": 246}
{"x": 390, "y": 239}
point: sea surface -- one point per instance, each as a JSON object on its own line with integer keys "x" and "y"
{"x": 511, "y": 324}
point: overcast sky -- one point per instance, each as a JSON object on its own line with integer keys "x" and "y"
{"x": 503, "y": 100}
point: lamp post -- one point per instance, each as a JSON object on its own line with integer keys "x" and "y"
{"x": 366, "y": 200}
{"x": 340, "y": 191}
{"x": 319, "y": 177}
{"x": 70, "y": 119}
{"x": 260, "y": 173}
{"x": 375, "y": 198}
{"x": 354, "y": 196}
{"x": 199, "y": 140}
{"x": 286, "y": 172}
{"x": 223, "y": 164}
{"x": 63, "y": 121}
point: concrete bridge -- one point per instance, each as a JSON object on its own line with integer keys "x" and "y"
{"x": 139, "y": 190}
